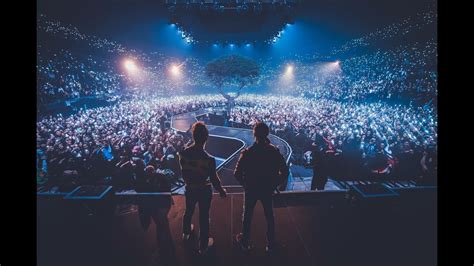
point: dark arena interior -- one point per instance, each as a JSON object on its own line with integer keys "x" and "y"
{"x": 348, "y": 90}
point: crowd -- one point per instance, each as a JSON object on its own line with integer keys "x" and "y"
{"x": 407, "y": 72}
{"x": 409, "y": 25}
{"x": 112, "y": 141}
{"x": 62, "y": 76}
{"x": 367, "y": 137}
{"x": 341, "y": 108}
{"x": 404, "y": 71}
{"x": 79, "y": 65}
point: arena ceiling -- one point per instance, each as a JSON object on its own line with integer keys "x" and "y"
{"x": 223, "y": 22}
{"x": 134, "y": 22}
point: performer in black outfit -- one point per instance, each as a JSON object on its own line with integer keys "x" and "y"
{"x": 260, "y": 169}
{"x": 319, "y": 167}
{"x": 156, "y": 209}
{"x": 199, "y": 172}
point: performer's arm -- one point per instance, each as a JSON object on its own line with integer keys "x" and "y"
{"x": 215, "y": 180}
{"x": 238, "y": 173}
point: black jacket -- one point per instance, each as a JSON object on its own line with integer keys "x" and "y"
{"x": 261, "y": 168}
{"x": 199, "y": 169}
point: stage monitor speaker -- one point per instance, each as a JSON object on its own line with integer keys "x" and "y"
{"x": 375, "y": 193}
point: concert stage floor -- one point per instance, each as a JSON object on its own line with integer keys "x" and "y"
{"x": 319, "y": 234}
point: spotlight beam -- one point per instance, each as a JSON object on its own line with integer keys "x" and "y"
{"x": 130, "y": 66}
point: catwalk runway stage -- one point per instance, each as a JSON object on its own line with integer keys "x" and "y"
{"x": 225, "y": 144}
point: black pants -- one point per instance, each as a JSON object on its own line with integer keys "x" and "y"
{"x": 320, "y": 178}
{"x": 148, "y": 211}
{"x": 203, "y": 198}
{"x": 251, "y": 199}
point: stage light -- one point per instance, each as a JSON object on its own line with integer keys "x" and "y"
{"x": 175, "y": 70}
{"x": 130, "y": 66}
{"x": 287, "y": 78}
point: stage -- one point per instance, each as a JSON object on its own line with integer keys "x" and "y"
{"x": 329, "y": 232}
